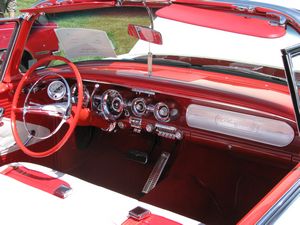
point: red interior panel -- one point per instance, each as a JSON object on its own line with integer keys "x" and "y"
{"x": 222, "y": 20}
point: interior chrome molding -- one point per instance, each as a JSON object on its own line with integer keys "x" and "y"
{"x": 274, "y": 213}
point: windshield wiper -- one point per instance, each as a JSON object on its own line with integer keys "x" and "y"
{"x": 243, "y": 72}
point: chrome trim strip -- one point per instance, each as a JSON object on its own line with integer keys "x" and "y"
{"x": 143, "y": 91}
{"x": 280, "y": 205}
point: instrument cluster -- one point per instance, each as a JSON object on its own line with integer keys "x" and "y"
{"x": 131, "y": 107}
{"x": 112, "y": 105}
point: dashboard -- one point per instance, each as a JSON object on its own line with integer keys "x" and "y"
{"x": 136, "y": 109}
{"x": 208, "y": 113}
{"x": 113, "y": 107}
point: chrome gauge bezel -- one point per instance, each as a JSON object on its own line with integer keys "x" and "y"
{"x": 108, "y": 99}
{"x": 135, "y": 104}
{"x": 157, "y": 112}
{"x": 86, "y": 96}
{"x": 56, "y": 94}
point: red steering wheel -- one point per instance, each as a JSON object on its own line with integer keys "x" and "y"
{"x": 68, "y": 114}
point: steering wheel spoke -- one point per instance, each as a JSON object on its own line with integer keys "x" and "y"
{"x": 69, "y": 120}
{"x": 55, "y": 110}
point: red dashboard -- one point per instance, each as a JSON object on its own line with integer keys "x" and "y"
{"x": 116, "y": 101}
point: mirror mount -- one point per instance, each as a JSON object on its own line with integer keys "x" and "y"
{"x": 150, "y": 14}
{"x": 150, "y": 55}
{"x": 146, "y": 34}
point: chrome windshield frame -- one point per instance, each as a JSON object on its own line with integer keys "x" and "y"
{"x": 287, "y": 57}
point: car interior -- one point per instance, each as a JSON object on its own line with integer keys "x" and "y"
{"x": 209, "y": 147}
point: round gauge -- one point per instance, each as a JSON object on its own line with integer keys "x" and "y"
{"x": 162, "y": 112}
{"x": 86, "y": 95}
{"x": 138, "y": 107}
{"x": 56, "y": 90}
{"x": 112, "y": 104}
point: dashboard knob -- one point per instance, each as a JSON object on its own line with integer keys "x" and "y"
{"x": 179, "y": 135}
{"x": 149, "y": 128}
{"x": 121, "y": 125}
{"x": 174, "y": 114}
{"x": 163, "y": 111}
{"x": 117, "y": 104}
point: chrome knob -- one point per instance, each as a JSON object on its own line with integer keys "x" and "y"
{"x": 149, "y": 128}
{"x": 179, "y": 135}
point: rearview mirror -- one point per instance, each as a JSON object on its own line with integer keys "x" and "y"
{"x": 145, "y": 34}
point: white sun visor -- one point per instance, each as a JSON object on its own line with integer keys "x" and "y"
{"x": 79, "y": 42}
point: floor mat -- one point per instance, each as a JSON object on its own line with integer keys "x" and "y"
{"x": 187, "y": 197}
{"x": 209, "y": 185}
{"x": 107, "y": 165}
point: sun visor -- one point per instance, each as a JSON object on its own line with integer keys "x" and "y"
{"x": 226, "y": 21}
{"x": 79, "y": 42}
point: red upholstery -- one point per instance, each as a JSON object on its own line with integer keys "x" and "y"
{"x": 35, "y": 179}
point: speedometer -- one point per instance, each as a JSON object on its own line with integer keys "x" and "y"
{"x": 56, "y": 90}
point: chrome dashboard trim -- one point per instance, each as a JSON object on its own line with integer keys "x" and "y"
{"x": 86, "y": 96}
{"x": 139, "y": 107}
{"x": 143, "y": 91}
{"x": 112, "y": 104}
{"x": 158, "y": 111}
{"x": 254, "y": 128}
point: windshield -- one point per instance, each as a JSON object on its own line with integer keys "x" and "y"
{"x": 253, "y": 44}
{"x": 96, "y": 34}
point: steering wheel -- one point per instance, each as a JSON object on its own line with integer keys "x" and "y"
{"x": 65, "y": 111}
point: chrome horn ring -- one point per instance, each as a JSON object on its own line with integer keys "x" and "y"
{"x": 61, "y": 110}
